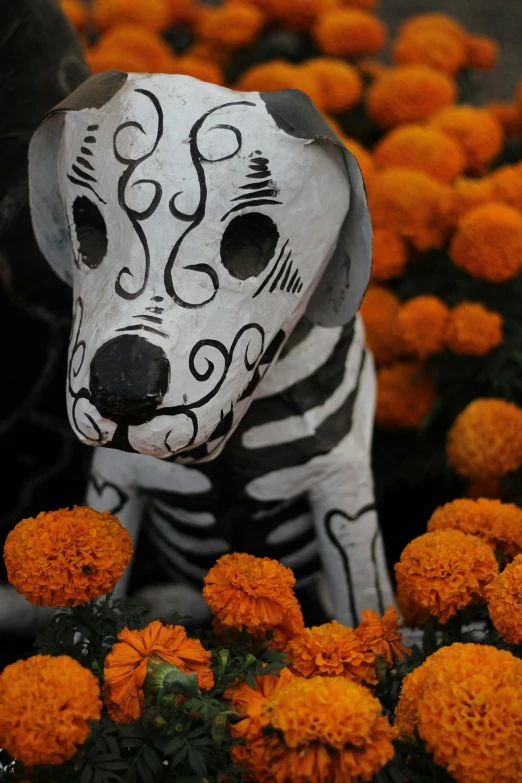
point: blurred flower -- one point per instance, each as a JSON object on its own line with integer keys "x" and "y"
{"x": 476, "y": 130}
{"x": 433, "y": 21}
{"x": 422, "y": 148}
{"x": 363, "y": 156}
{"x": 76, "y": 11}
{"x": 470, "y": 713}
{"x": 326, "y": 729}
{"x": 472, "y": 330}
{"x": 331, "y": 650}
{"x": 413, "y": 615}
{"x": 488, "y": 242}
{"x": 423, "y": 321}
{"x": 434, "y": 48}
{"x": 365, "y": 5}
{"x": 349, "y": 32}
{"x": 486, "y": 488}
{"x": 381, "y": 634}
{"x": 231, "y": 25}
{"x": 46, "y": 707}
{"x": 498, "y": 524}
{"x": 408, "y": 93}
{"x": 247, "y": 592}
{"x": 482, "y": 52}
{"x": 509, "y": 117}
{"x": 340, "y": 83}
{"x": 411, "y": 204}
{"x": 281, "y": 75}
{"x": 148, "y": 14}
{"x": 126, "y": 665}
{"x": 504, "y": 596}
{"x": 446, "y": 570}
{"x": 405, "y": 395}
{"x": 379, "y": 311}
{"x": 390, "y": 254}
{"x": 371, "y": 68}
{"x": 206, "y": 71}
{"x": 485, "y": 440}
{"x": 67, "y": 557}
{"x": 506, "y": 185}
{"x": 143, "y": 50}
{"x": 470, "y": 193}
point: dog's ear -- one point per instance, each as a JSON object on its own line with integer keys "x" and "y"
{"x": 47, "y": 208}
{"x": 344, "y": 282}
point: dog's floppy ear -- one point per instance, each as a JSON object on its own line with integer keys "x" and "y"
{"x": 341, "y": 289}
{"x": 47, "y": 208}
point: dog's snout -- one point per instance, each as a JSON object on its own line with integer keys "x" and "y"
{"x": 129, "y": 378}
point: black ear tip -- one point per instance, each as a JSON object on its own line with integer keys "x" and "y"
{"x": 94, "y": 92}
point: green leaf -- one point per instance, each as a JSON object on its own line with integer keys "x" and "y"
{"x": 86, "y": 775}
{"x": 197, "y": 762}
{"x": 173, "y": 745}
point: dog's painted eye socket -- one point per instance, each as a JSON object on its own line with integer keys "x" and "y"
{"x": 91, "y": 232}
{"x": 248, "y": 244}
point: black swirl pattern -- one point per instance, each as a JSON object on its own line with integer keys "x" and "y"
{"x": 197, "y": 216}
{"x": 75, "y": 365}
{"x": 134, "y": 216}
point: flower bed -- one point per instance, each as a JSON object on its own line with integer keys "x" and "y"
{"x": 260, "y": 697}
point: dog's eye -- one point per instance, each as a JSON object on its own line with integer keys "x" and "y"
{"x": 91, "y": 232}
{"x": 248, "y": 244}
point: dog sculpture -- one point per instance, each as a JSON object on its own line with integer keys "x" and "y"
{"x": 219, "y": 246}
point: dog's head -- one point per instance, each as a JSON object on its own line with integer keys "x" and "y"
{"x": 196, "y": 225}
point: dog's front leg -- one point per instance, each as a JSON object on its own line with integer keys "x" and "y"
{"x": 113, "y": 486}
{"x": 343, "y": 505}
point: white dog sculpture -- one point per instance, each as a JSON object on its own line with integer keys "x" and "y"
{"x": 219, "y": 246}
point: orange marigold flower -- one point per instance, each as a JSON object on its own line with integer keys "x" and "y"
{"x": 371, "y": 67}
{"x": 498, "y": 524}
{"x": 126, "y": 664}
{"x": 485, "y": 440}
{"x": 149, "y": 14}
{"x": 488, "y": 242}
{"x": 390, "y": 255}
{"x": 411, "y": 204}
{"x": 476, "y": 130}
{"x": 506, "y": 185}
{"x": 362, "y": 155}
{"x": 509, "y": 117}
{"x": 405, "y": 394}
{"x": 231, "y": 25}
{"x": 326, "y": 729}
{"x": 46, "y": 706}
{"x": 67, "y": 557}
{"x": 349, "y": 32}
{"x": 290, "y": 626}
{"x": 247, "y": 592}
{"x": 379, "y": 311}
{"x": 101, "y": 60}
{"x": 482, "y": 52}
{"x": 470, "y": 193}
{"x": 144, "y": 49}
{"x": 280, "y": 75}
{"x": 198, "y": 68}
{"x": 447, "y": 665}
{"x": 76, "y": 12}
{"x": 422, "y": 148}
{"x": 331, "y": 650}
{"x": 208, "y": 53}
{"x": 408, "y": 93}
{"x": 248, "y": 702}
{"x": 470, "y": 713}
{"x": 446, "y": 570}
{"x": 504, "y": 596}
{"x": 423, "y": 321}
{"x": 472, "y": 330}
{"x": 381, "y": 636}
{"x": 340, "y": 83}
{"x": 413, "y": 615}
{"x": 365, "y": 5}
{"x": 433, "y": 21}
{"x": 434, "y": 48}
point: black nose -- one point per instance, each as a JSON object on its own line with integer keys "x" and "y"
{"x": 129, "y": 378}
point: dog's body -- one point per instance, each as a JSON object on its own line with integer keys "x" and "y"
{"x": 219, "y": 246}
